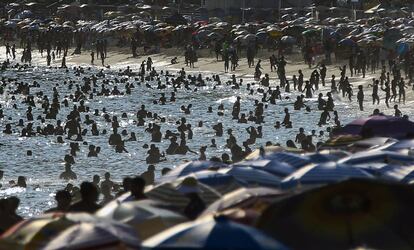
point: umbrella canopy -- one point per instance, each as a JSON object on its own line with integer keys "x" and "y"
{"x": 403, "y": 174}
{"x": 288, "y": 40}
{"x": 253, "y": 176}
{"x": 347, "y": 43}
{"x": 212, "y": 233}
{"x": 325, "y": 173}
{"x": 244, "y": 198}
{"x": 221, "y": 182}
{"x": 145, "y": 216}
{"x": 345, "y": 215}
{"x": 370, "y": 143}
{"x": 401, "y": 146}
{"x": 379, "y": 157}
{"x": 256, "y": 154}
{"x": 169, "y": 193}
{"x": 274, "y": 167}
{"x": 97, "y": 235}
{"x": 36, "y": 232}
{"x": 190, "y": 167}
{"x": 380, "y": 125}
{"x": 294, "y": 160}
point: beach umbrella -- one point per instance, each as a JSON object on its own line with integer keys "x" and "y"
{"x": 245, "y": 198}
{"x": 10, "y": 24}
{"x": 378, "y": 157}
{"x": 403, "y": 146}
{"x": 256, "y": 154}
{"x": 274, "y": 32}
{"x": 324, "y": 173}
{"x": 221, "y": 182}
{"x": 190, "y": 167}
{"x": 262, "y": 35}
{"x": 294, "y": 160}
{"x": 295, "y": 30}
{"x": 288, "y": 40}
{"x": 274, "y": 167}
{"x": 170, "y": 194}
{"x": 371, "y": 143}
{"x": 146, "y": 217}
{"x": 380, "y": 125}
{"x": 253, "y": 176}
{"x": 347, "y": 43}
{"x": 345, "y": 215}
{"x": 320, "y": 157}
{"x": 404, "y": 174}
{"x": 100, "y": 235}
{"x": 311, "y": 32}
{"x": 340, "y": 141}
{"x": 215, "y": 36}
{"x": 36, "y": 232}
{"x": 212, "y": 233}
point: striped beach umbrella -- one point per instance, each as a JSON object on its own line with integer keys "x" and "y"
{"x": 256, "y": 154}
{"x": 146, "y": 217}
{"x": 212, "y": 233}
{"x": 378, "y": 156}
{"x": 189, "y": 168}
{"x": 221, "y": 182}
{"x": 253, "y": 176}
{"x": 404, "y": 174}
{"x": 100, "y": 235}
{"x": 274, "y": 167}
{"x": 168, "y": 193}
{"x": 403, "y": 146}
{"x": 36, "y": 232}
{"x": 323, "y": 174}
{"x": 295, "y": 160}
{"x": 244, "y": 198}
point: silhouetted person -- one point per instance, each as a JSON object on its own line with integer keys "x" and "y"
{"x": 89, "y": 197}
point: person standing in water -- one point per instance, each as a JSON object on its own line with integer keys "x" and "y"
{"x": 360, "y": 97}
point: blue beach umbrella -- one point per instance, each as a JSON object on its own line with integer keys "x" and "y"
{"x": 253, "y": 176}
{"x": 325, "y": 173}
{"x": 189, "y": 168}
{"x": 212, "y": 233}
{"x": 404, "y": 174}
{"x": 274, "y": 167}
{"x": 221, "y": 182}
{"x": 378, "y": 157}
{"x": 295, "y": 160}
{"x": 401, "y": 146}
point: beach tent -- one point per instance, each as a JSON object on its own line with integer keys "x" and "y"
{"x": 368, "y": 213}
{"x": 212, "y": 233}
